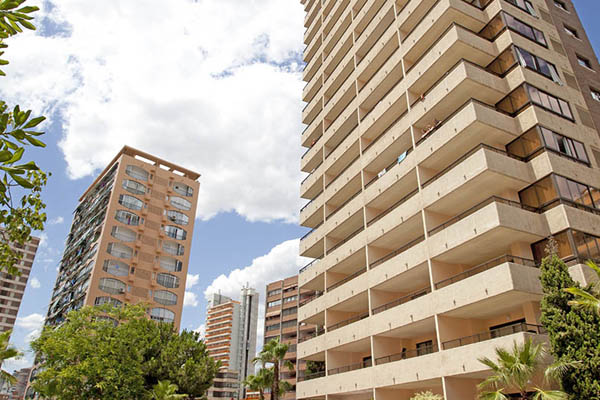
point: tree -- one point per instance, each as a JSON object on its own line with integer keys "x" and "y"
{"x": 516, "y": 369}
{"x": 114, "y": 353}
{"x": 18, "y": 217}
{"x": 6, "y": 353}
{"x": 165, "y": 390}
{"x": 428, "y": 395}
{"x": 261, "y": 381}
{"x": 274, "y": 353}
{"x": 574, "y": 334}
{"x": 587, "y": 299}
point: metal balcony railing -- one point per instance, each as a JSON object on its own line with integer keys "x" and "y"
{"x": 404, "y": 299}
{"x": 495, "y": 333}
{"x": 407, "y": 354}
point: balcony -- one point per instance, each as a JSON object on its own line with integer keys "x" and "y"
{"x": 495, "y": 333}
{"x": 312, "y": 185}
{"x": 311, "y": 215}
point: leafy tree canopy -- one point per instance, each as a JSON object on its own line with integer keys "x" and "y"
{"x": 118, "y": 353}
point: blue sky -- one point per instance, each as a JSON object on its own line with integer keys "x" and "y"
{"x": 227, "y": 97}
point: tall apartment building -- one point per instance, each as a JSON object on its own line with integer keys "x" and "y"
{"x": 130, "y": 239}
{"x": 231, "y": 339}
{"x": 281, "y": 321}
{"x": 12, "y": 287}
{"x": 447, "y": 140}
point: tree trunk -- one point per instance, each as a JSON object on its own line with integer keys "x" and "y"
{"x": 261, "y": 394}
{"x": 275, "y": 388}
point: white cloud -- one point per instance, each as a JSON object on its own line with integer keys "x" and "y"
{"x": 213, "y": 85}
{"x": 35, "y": 283}
{"x": 30, "y": 322}
{"x": 201, "y": 330}
{"x": 56, "y": 221}
{"x": 192, "y": 280}
{"x": 190, "y": 299}
{"x": 281, "y": 262}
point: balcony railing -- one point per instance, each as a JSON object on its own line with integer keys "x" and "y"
{"x": 315, "y": 296}
{"x": 389, "y": 167}
{"x": 308, "y": 377}
{"x": 393, "y": 207}
{"x": 394, "y": 253}
{"x": 348, "y": 278}
{"x": 404, "y": 299}
{"x": 407, "y": 354}
{"x": 310, "y": 202}
{"x": 353, "y": 234}
{"x": 344, "y": 203}
{"x": 347, "y": 322}
{"x": 351, "y": 163}
{"x": 495, "y": 333}
{"x": 307, "y": 234}
{"x": 318, "y": 332}
{"x": 484, "y": 267}
{"x": 474, "y": 209}
{"x": 348, "y": 368}
{"x": 310, "y": 264}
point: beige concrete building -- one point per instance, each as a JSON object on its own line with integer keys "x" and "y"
{"x": 130, "y": 239}
{"x": 283, "y": 298}
{"x": 446, "y": 140}
{"x": 13, "y": 287}
{"x": 231, "y": 339}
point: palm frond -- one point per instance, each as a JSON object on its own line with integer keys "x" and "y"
{"x": 497, "y": 395}
{"x": 549, "y": 395}
{"x": 558, "y": 369}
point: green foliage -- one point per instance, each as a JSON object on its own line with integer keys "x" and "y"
{"x": 18, "y": 217}
{"x": 313, "y": 367}
{"x": 6, "y": 353}
{"x": 574, "y": 334}
{"x": 589, "y": 299}
{"x": 273, "y": 353}
{"x": 118, "y": 353}
{"x": 515, "y": 369}
{"x": 428, "y": 395}
{"x": 261, "y": 381}
{"x": 165, "y": 390}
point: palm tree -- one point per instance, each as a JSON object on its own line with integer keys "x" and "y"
{"x": 515, "y": 369}
{"x": 587, "y": 300}
{"x": 428, "y": 395}
{"x": 7, "y": 352}
{"x": 261, "y": 381}
{"x": 274, "y": 353}
{"x": 165, "y": 390}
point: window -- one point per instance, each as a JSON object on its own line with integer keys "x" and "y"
{"x": 173, "y": 248}
{"x": 584, "y": 62}
{"x": 561, "y": 4}
{"x": 571, "y": 32}
{"x": 130, "y": 202}
{"x": 170, "y": 264}
{"x": 180, "y": 203}
{"x": 167, "y": 280}
{"x": 290, "y": 299}
{"x": 112, "y": 286}
{"x": 524, "y": 29}
{"x": 183, "y": 189}
{"x": 289, "y": 324}
{"x": 565, "y": 145}
{"x": 120, "y": 250}
{"x": 272, "y": 327}
{"x": 177, "y": 217}
{"x": 116, "y": 268}
{"x": 136, "y": 172}
{"x": 175, "y": 232}
{"x": 524, "y": 5}
{"x": 546, "y": 193}
{"x": 162, "y": 315}
{"x": 274, "y": 292}
{"x": 425, "y": 348}
{"x": 273, "y": 303}
{"x": 127, "y": 218}
{"x": 107, "y": 300}
{"x": 526, "y": 94}
{"x": 124, "y": 234}
{"x": 538, "y": 64}
{"x": 134, "y": 187}
{"x": 595, "y": 94}
{"x": 572, "y": 244}
{"x": 165, "y": 297}
{"x": 289, "y": 311}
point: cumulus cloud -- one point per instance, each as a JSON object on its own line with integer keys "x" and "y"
{"x": 35, "y": 283}
{"x": 190, "y": 299}
{"x": 30, "y": 322}
{"x": 192, "y": 280}
{"x": 213, "y": 85}
{"x": 201, "y": 330}
{"x": 56, "y": 221}
{"x": 281, "y": 262}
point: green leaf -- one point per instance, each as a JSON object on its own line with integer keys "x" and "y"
{"x": 27, "y": 24}
{"x": 35, "y": 142}
{"x": 34, "y": 122}
{"x": 5, "y": 155}
{"x": 22, "y": 181}
{"x": 17, "y": 155}
{"x": 28, "y": 9}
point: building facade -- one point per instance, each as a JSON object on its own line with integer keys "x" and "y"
{"x": 231, "y": 339}
{"x": 130, "y": 239}
{"x": 282, "y": 300}
{"x": 13, "y": 287}
{"x": 446, "y": 141}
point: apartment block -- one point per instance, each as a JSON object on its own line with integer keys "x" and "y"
{"x": 446, "y": 140}
{"x": 130, "y": 239}
{"x": 281, "y": 322}
{"x": 231, "y": 339}
{"x": 12, "y": 287}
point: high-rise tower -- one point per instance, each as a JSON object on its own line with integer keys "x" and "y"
{"x": 130, "y": 239}
{"x": 231, "y": 339}
{"x": 446, "y": 140}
